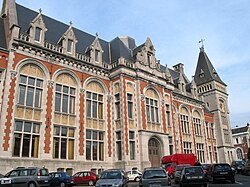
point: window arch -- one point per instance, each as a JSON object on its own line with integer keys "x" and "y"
{"x": 152, "y": 106}
{"x": 197, "y": 123}
{"x": 185, "y": 121}
{"x": 94, "y": 100}
{"x": 29, "y": 100}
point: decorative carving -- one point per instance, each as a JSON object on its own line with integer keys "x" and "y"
{"x": 109, "y": 98}
{"x": 162, "y": 102}
{"x": 82, "y": 90}
{"x": 142, "y": 97}
{"x": 51, "y": 83}
{"x": 13, "y": 74}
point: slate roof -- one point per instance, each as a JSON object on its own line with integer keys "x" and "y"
{"x": 56, "y": 29}
{"x": 240, "y": 130}
{"x": 2, "y": 35}
{"x": 205, "y": 67}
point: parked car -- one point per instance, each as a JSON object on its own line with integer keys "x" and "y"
{"x": 84, "y": 177}
{"x": 178, "y": 170}
{"x": 1, "y": 175}
{"x": 134, "y": 175}
{"x": 238, "y": 165}
{"x": 222, "y": 171}
{"x": 154, "y": 177}
{"x": 112, "y": 177}
{"x": 61, "y": 179}
{"x": 193, "y": 175}
{"x": 26, "y": 177}
{"x": 207, "y": 169}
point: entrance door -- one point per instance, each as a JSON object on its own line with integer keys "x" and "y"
{"x": 154, "y": 152}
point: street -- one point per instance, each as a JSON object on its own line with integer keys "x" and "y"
{"x": 241, "y": 180}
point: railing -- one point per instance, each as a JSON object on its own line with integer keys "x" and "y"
{"x": 53, "y": 47}
{"x": 24, "y": 37}
{"x": 82, "y": 57}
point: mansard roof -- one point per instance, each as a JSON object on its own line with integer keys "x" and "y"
{"x": 240, "y": 130}
{"x": 56, "y": 29}
{"x": 205, "y": 72}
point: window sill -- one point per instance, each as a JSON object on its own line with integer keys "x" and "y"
{"x": 63, "y": 113}
{"x": 29, "y": 107}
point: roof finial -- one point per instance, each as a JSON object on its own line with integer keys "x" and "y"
{"x": 202, "y": 44}
{"x": 40, "y": 10}
{"x": 70, "y": 23}
{"x": 96, "y": 34}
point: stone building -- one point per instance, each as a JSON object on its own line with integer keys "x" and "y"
{"x": 72, "y": 101}
{"x": 241, "y": 141}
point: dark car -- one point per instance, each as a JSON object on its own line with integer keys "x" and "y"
{"x": 154, "y": 177}
{"x": 207, "y": 168}
{"x": 222, "y": 171}
{"x": 178, "y": 170}
{"x": 61, "y": 179}
{"x": 193, "y": 175}
{"x": 26, "y": 177}
{"x": 238, "y": 165}
{"x": 112, "y": 177}
{"x": 84, "y": 177}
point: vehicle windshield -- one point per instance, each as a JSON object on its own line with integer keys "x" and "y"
{"x": 239, "y": 163}
{"x": 222, "y": 168}
{"x": 180, "y": 167}
{"x": 154, "y": 174}
{"x": 111, "y": 175}
{"x": 193, "y": 170}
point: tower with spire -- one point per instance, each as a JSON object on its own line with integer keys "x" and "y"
{"x": 213, "y": 91}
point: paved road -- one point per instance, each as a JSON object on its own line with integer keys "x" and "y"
{"x": 241, "y": 181}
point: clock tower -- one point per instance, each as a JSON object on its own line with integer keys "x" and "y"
{"x": 213, "y": 91}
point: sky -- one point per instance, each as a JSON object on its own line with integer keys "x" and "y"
{"x": 175, "y": 28}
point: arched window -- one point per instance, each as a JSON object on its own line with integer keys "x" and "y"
{"x": 64, "y": 120}
{"x": 152, "y": 106}
{"x": 239, "y": 154}
{"x": 30, "y": 92}
{"x": 185, "y": 121}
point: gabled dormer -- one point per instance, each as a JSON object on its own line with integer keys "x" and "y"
{"x": 145, "y": 54}
{"x": 69, "y": 41}
{"x": 37, "y": 30}
{"x": 95, "y": 51}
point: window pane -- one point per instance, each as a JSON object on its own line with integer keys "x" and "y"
{"x": 65, "y": 89}
{"x": 88, "y": 150}
{"x": 100, "y": 111}
{"x": 94, "y": 135}
{"x": 36, "y": 128}
{"x": 30, "y": 95}
{"x": 37, "y": 34}
{"x": 58, "y": 102}
{"x": 94, "y": 96}
{"x": 88, "y": 134}
{"x": 88, "y": 108}
{"x": 63, "y": 148}
{"x": 65, "y": 104}
{"x": 23, "y": 79}
{"x": 19, "y": 126}
{"x": 88, "y": 95}
{"x": 71, "y": 132}
{"x": 100, "y": 97}
{"x": 94, "y": 109}
{"x": 34, "y": 146}
{"x": 26, "y": 145}
{"x": 58, "y": 88}
{"x": 69, "y": 46}
{"x": 39, "y": 83}
{"x": 38, "y": 97}
{"x": 72, "y": 105}
{"x": 56, "y": 148}
{"x": 21, "y": 94}
{"x": 17, "y": 144}
{"x": 63, "y": 131}
{"x": 27, "y": 127}
{"x": 31, "y": 81}
{"x": 71, "y": 149}
{"x": 101, "y": 151}
{"x": 72, "y": 91}
{"x": 56, "y": 131}
{"x": 94, "y": 150}
{"x": 100, "y": 135}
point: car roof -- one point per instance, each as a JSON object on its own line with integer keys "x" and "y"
{"x": 153, "y": 168}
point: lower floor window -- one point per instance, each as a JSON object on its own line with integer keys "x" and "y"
{"x": 200, "y": 152}
{"x": 187, "y": 147}
{"x": 26, "y": 139}
{"x": 63, "y": 142}
{"x": 94, "y": 145}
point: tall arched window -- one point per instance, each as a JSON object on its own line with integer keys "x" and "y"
{"x": 185, "y": 121}
{"x": 64, "y": 118}
{"x": 152, "y": 106}
{"x": 28, "y": 111}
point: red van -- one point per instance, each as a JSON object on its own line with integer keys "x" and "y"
{"x": 171, "y": 161}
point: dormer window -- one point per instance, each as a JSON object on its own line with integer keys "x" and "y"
{"x": 97, "y": 55}
{"x": 38, "y": 32}
{"x": 69, "y": 46}
{"x": 149, "y": 58}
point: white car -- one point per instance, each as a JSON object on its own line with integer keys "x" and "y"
{"x": 134, "y": 175}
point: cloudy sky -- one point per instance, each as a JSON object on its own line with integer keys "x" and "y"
{"x": 175, "y": 28}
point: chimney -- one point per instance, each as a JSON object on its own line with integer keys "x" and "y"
{"x": 179, "y": 68}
